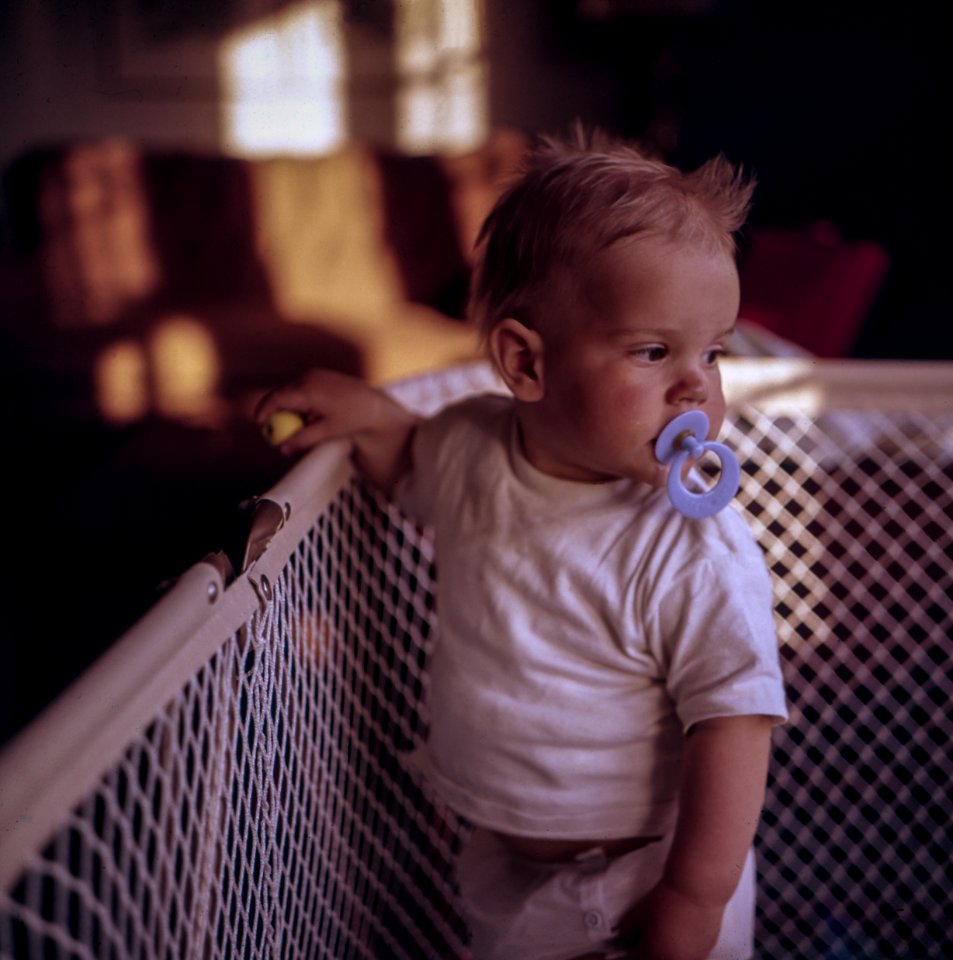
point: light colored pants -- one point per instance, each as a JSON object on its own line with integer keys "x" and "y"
{"x": 522, "y": 909}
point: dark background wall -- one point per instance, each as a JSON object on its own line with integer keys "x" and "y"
{"x": 841, "y": 109}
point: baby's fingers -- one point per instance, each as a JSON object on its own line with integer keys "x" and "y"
{"x": 317, "y": 393}
{"x": 290, "y": 397}
{"x": 311, "y": 434}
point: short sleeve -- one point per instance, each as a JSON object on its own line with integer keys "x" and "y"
{"x": 446, "y": 449}
{"x": 419, "y": 491}
{"x": 415, "y": 492}
{"x": 717, "y": 638}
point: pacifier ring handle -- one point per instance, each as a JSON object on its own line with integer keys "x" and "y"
{"x": 680, "y": 441}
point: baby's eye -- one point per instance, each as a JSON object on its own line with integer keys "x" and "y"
{"x": 650, "y": 354}
{"x": 713, "y": 355}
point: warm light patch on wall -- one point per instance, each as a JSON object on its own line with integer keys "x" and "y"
{"x": 175, "y": 373}
{"x": 283, "y": 81}
{"x": 185, "y": 369}
{"x": 120, "y": 379}
{"x": 442, "y": 90}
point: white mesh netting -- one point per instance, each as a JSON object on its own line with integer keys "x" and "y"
{"x": 264, "y": 812}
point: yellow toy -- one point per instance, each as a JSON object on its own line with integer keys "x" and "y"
{"x": 281, "y": 425}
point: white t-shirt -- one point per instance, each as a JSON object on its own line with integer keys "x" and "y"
{"x": 583, "y": 628}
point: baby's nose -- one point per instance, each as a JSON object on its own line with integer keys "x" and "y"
{"x": 691, "y": 387}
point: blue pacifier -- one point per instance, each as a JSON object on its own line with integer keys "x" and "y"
{"x": 676, "y": 444}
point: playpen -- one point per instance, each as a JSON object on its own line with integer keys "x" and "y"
{"x": 226, "y": 781}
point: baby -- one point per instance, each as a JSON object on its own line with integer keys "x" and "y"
{"x": 606, "y": 678}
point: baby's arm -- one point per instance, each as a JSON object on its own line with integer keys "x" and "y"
{"x": 720, "y": 800}
{"x": 337, "y": 406}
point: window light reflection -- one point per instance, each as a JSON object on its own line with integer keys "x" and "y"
{"x": 441, "y": 93}
{"x": 283, "y": 81}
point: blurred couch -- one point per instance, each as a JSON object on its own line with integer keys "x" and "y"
{"x": 149, "y": 298}
{"x": 369, "y": 249}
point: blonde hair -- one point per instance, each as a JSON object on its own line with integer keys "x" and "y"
{"x": 580, "y": 195}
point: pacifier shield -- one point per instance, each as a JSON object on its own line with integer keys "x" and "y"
{"x": 682, "y": 438}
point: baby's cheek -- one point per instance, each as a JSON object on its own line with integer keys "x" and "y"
{"x": 637, "y": 408}
{"x": 715, "y": 410}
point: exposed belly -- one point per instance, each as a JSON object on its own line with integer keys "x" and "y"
{"x": 550, "y": 850}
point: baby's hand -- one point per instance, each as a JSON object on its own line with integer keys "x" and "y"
{"x": 330, "y": 405}
{"x": 334, "y": 406}
{"x": 669, "y": 925}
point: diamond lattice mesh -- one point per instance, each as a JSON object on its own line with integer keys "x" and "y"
{"x": 855, "y": 513}
{"x": 265, "y": 813}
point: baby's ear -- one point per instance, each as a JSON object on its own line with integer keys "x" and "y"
{"x": 517, "y": 352}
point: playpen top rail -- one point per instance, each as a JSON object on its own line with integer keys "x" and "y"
{"x": 811, "y": 386}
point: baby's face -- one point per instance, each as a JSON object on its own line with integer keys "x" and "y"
{"x": 646, "y": 333}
